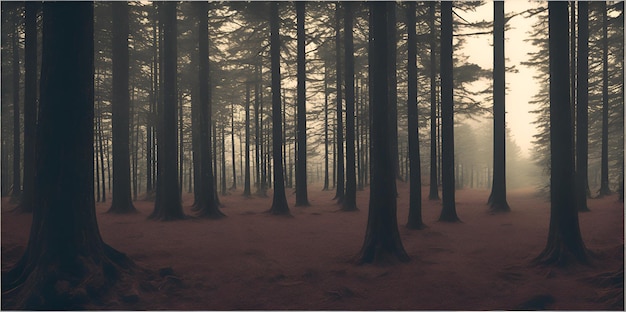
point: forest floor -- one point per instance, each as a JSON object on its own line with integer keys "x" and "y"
{"x": 252, "y": 260}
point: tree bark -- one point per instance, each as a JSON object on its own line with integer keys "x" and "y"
{"x": 339, "y": 187}
{"x": 349, "y": 202}
{"x": 393, "y": 87}
{"x": 302, "y": 198}
{"x": 326, "y": 173}
{"x": 434, "y": 187}
{"x": 382, "y": 239}
{"x": 497, "y": 199}
{"x": 17, "y": 185}
{"x": 246, "y": 181}
{"x": 121, "y": 200}
{"x": 604, "y": 159}
{"x": 582, "y": 101}
{"x": 279, "y": 201}
{"x": 448, "y": 211}
{"x": 565, "y": 244}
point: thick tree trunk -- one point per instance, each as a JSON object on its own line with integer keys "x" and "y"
{"x": 582, "y": 101}
{"x": 434, "y": 188}
{"x": 415, "y": 195}
{"x": 30, "y": 105}
{"x": 382, "y": 239}
{"x": 65, "y": 255}
{"x": 279, "y": 201}
{"x": 302, "y": 198}
{"x": 339, "y": 188}
{"x": 121, "y": 200}
{"x": 448, "y": 211}
{"x": 167, "y": 205}
{"x": 349, "y": 202}
{"x": 497, "y": 200}
{"x": 17, "y": 184}
{"x": 604, "y": 159}
{"x": 565, "y": 244}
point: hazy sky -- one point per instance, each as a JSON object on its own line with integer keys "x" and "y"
{"x": 521, "y": 85}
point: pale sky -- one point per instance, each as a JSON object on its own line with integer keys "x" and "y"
{"x": 521, "y": 85}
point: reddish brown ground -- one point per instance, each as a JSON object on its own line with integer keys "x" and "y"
{"x": 251, "y": 260}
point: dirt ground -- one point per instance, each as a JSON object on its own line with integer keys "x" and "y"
{"x": 251, "y": 260}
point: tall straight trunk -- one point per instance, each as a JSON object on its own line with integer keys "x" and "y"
{"x": 284, "y": 133}
{"x": 264, "y": 173}
{"x": 30, "y": 105}
{"x": 393, "y": 87}
{"x": 582, "y": 103}
{"x": 497, "y": 200}
{"x": 382, "y": 239}
{"x": 232, "y": 145}
{"x": 279, "y": 201}
{"x": 135, "y": 149}
{"x": 302, "y": 198}
{"x": 206, "y": 201}
{"x": 357, "y": 131}
{"x": 150, "y": 122}
{"x": 448, "y": 211}
{"x": 415, "y": 179}
{"x": 96, "y": 146}
{"x": 339, "y": 190}
{"x": 246, "y": 181}
{"x": 565, "y": 245}
{"x": 349, "y": 202}
{"x": 121, "y": 200}
{"x": 223, "y": 161}
{"x": 434, "y": 189}
{"x": 572, "y": 70}
{"x": 326, "y": 173}
{"x": 101, "y": 148}
{"x": 258, "y": 134}
{"x": 17, "y": 185}
{"x": 604, "y": 159}
{"x": 167, "y": 205}
{"x": 181, "y": 146}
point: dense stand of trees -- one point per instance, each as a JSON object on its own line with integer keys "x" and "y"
{"x": 155, "y": 98}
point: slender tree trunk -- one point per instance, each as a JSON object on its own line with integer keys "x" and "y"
{"x": 497, "y": 200}
{"x": 448, "y": 211}
{"x": 232, "y": 145}
{"x": 167, "y": 205}
{"x": 582, "y": 100}
{"x": 30, "y": 105}
{"x": 17, "y": 185}
{"x": 326, "y": 173}
{"x": 349, "y": 202}
{"x": 101, "y": 148}
{"x": 121, "y": 200}
{"x": 604, "y": 159}
{"x": 415, "y": 195}
{"x": 434, "y": 189}
{"x": 302, "y": 198}
{"x": 339, "y": 194}
{"x": 279, "y": 201}
{"x": 565, "y": 244}
{"x": 223, "y": 161}
{"x": 382, "y": 239}
{"x": 181, "y": 146}
{"x": 246, "y": 183}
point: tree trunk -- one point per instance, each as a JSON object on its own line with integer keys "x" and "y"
{"x": 101, "y": 148}
{"x": 65, "y": 248}
{"x": 434, "y": 189}
{"x": 279, "y": 201}
{"x": 181, "y": 146}
{"x": 497, "y": 200}
{"x": 121, "y": 200}
{"x": 415, "y": 195}
{"x": 17, "y": 185}
{"x": 604, "y": 159}
{"x": 565, "y": 244}
{"x": 339, "y": 190}
{"x": 582, "y": 101}
{"x": 326, "y": 173}
{"x": 393, "y": 87}
{"x": 302, "y": 198}
{"x": 232, "y": 145}
{"x": 246, "y": 181}
{"x": 382, "y": 239}
{"x": 30, "y": 105}
{"x": 448, "y": 211}
{"x": 167, "y": 205}
{"x": 349, "y": 202}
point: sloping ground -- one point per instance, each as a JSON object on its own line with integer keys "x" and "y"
{"x": 251, "y": 260}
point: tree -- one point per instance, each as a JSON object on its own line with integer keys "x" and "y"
{"x": 604, "y": 162}
{"x": 415, "y": 195}
{"x": 497, "y": 198}
{"x": 382, "y": 239}
{"x": 339, "y": 169}
{"x": 448, "y": 211}
{"x": 30, "y": 105}
{"x": 246, "y": 180}
{"x": 279, "y": 201}
{"x": 349, "y": 201}
{"x": 434, "y": 188}
{"x": 565, "y": 244}
{"x": 582, "y": 103}
{"x": 167, "y": 205}
{"x": 65, "y": 255}
{"x": 393, "y": 86}
{"x": 17, "y": 185}
{"x": 206, "y": 204}
{"x": 301, "y": 174}
{"x": 121, "y": 201}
